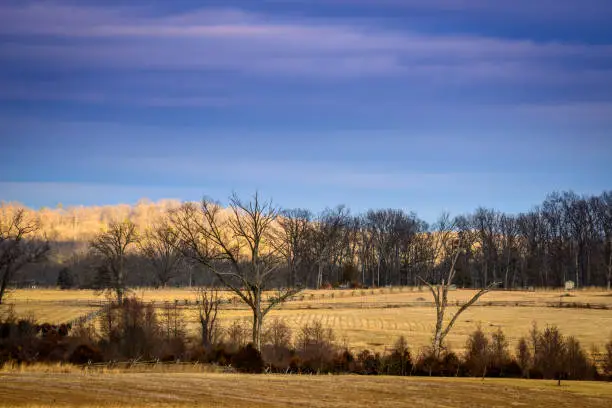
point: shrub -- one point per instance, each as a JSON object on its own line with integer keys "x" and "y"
{"x": 368, "y": 363}
{"x": 499, "y": 356}
{"x": 315, "y": 347}
{"x": 314, "y": 334}
{"x": 277, "y": 333}
{"x": 218, "y": 354}
{"x": 85, "y": 353}
{"x": 344, "y": 362}
{"x": 171, "y": 324}
{"x": 276, "y": 349}
{"x": 132, "y": 330}
{"x": 85, "y": 332}
{"x": 237, "y": 335}
{"x": 550, "y": 354}
{"x": 450, "y": 365}
{"x": 428, "y": 364}
{"x": 248, "y": 360}
{"x": 399, "y": 362}
{"x": 477, "y": 353}
{"x": 576, "y": 365}
{"x": 607, "y": 365}
{"x": 523, "y": 357}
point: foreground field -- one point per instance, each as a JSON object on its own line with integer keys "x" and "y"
{"x": 232, "y": 390}
{"x": 371, "y": 319}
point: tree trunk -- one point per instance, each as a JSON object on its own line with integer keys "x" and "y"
{"x": 320, "y": 275}
{"x": 205, "y": 334}
{"x": 609, "y": 273}
{"x": 577, "y": 270}
{"x": 438, "y": 339}
{"x": 120, "y": 282}
{"x": 4, "y": 283}
{"x": 257, "y": 325}
{"x": 119, "y": 292}
{"x": 290, "y": 278}
{"x": 507, "y": 269}
{"x": 363, "y": 268}
{"x": 609, "y": 265}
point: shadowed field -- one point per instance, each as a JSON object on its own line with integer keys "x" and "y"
{"x": 232, "y": 390}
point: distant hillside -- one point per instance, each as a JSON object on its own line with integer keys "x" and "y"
{"x": 80, "y": 223}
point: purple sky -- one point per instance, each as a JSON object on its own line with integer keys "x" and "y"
{"x": 423, "y": 105}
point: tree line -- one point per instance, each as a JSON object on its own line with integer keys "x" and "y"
{"x": 567, "y": 237}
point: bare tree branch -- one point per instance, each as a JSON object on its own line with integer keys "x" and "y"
{"x": 19, "y": 244}
{"x": 111, "y": 246}
{"x": 239, "y": 247}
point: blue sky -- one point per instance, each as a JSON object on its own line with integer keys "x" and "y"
{"x": 430, "y": 106}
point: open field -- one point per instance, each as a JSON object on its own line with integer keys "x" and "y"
{"x": 380, "y": 295}
{"x": 372, "y": 319}
{"x": 377, "y": 328}
{"x": 37, "y": 389}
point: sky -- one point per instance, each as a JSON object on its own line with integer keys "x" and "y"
{"x": 424, "y": 105}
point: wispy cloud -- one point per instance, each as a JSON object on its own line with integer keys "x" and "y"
{"x": 263, "y": 44}
{"x": 559, "y": 10}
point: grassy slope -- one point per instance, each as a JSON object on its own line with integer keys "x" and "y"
{"x": 230, "y": 390}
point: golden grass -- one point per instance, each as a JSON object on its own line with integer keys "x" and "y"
{"x": 51, "y": 312}
{"x": 12, "y": 367}
{"x": 372, "y": 318}
{"x": 33, "y": 389}
{"x": 377, "y": 328}
{"x": 381, "y": 295}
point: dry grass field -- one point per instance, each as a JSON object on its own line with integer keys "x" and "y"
{"x": 371, "y": 319}
{"x": 40, "y": 389}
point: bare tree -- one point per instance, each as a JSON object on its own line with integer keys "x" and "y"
{"x": 603, "y": 210}
{"x": 327, "y": 235}
{"x": 160, "y": 247}
{"x": 19, "y": 245}
{"x": 451, "y": 245}
{"x": 238, "y": 248}
{"x": 295, "y": 227}
{"x": 112, "y": 247}
{"x": 485, "y": 223}
{"x": 208, "y": 306}
{"x": 390, "y": 230}
{"x": 509, "y": 236}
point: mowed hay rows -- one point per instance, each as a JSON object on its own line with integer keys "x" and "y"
{"x": 378, "y": 328}
{"x": 372, "y": 318}
{"x": 50, "y": 312}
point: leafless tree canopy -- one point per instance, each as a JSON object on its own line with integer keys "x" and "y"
{"x": 239, "y": 246}
{"x": 111, "y": 247}
{"x": 160, "y": 248}
{"x": 18, "y": 244}
{"x": 295, "y": 230}
{"x": 328, "y": 234}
